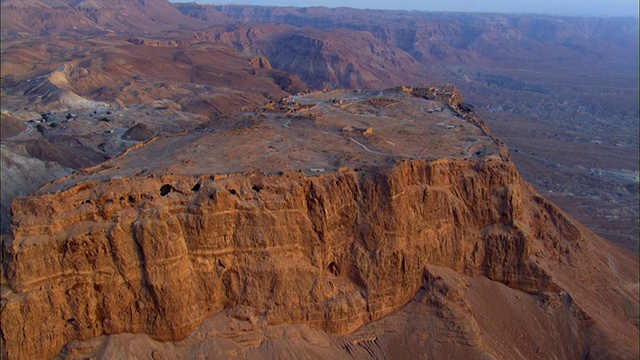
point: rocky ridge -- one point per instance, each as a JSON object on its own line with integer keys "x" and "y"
{"x": 160, "y": 253}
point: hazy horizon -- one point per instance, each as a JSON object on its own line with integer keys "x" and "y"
{"x": 604, "y": 8}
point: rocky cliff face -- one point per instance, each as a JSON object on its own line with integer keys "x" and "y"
{"x": 321, "y": 59}
{"x": 458, "y": 37}
{"x": 426, "y": 218}
{"x": 158, "y": 255}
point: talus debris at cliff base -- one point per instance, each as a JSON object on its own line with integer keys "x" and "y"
{"x": 411, "y": 218}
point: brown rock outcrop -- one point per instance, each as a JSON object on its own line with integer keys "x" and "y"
{"x": 260, "y": 62}
{"x": 138, "y": 132}
{"x": 66, "y": 151}
{"x": 334, "y": 251}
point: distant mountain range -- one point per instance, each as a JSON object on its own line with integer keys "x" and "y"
{"x": 371, "y": 48}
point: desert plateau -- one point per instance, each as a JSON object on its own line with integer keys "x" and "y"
{"x": 187, "y": 180}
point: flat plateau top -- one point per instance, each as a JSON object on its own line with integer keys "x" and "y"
{"x": 314, "y": 133}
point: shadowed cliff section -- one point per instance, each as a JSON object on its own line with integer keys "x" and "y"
{"x": 138, "y": 132}
{"x": 67, "y": 152}
{"x": 321, "y": 58}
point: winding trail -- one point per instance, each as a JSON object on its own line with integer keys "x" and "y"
{"x": 466, "y": 149}
{"x": 369, "y": 150}
{"x": 26, "y": 132}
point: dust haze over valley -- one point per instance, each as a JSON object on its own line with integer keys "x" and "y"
{"x": 184, "y": 180}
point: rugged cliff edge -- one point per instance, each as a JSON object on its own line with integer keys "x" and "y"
{"x": 159, "y": 254}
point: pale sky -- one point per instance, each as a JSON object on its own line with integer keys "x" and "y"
{"x": 555, "y": 7}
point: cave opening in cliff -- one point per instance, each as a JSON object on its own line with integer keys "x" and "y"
{"x": 196, "y": 187}
{"x": 165, "y": 189}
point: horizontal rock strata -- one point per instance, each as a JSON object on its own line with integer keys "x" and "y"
{"x": 158, "y": 255}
